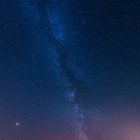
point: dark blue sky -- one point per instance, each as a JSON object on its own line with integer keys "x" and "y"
{"x": 67, "y": 67}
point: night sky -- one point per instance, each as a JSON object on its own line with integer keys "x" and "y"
{"x": 69, "y": 70}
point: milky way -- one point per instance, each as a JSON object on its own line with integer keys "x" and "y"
{"x": 66, "y": 65}
{"x": 69, "y": 70}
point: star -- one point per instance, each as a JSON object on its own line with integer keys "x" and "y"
{"x": 17, "y": 124}
{"x": 83, "y": 22}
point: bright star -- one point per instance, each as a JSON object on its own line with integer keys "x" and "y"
{"x": 17, "y": 124}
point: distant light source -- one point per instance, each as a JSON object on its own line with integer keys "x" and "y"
{"x": 17, "y": 124}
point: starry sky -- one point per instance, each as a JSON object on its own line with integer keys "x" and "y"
{"x": 69, "y": 69}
